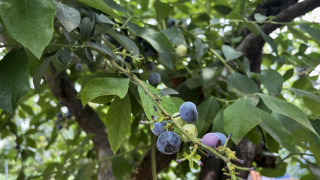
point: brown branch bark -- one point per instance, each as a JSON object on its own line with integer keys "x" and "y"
{"x": 63, "y": 89}
{"x": 252, "y": 44}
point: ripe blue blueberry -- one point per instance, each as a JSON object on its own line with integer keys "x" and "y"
{"x": 150, "y": 66}
{"x": 128, "y": 60}
{"x": 158, "y": 128}
{"x": 188, "y": 112}
{"x": 78, "y": 66}
{"x": 148, "y": 49}
{"x": 171, "y": 22}
{"x": 222, "y": 137}
{"x": 68, "y": 115}
{"x": 59, "y": 115}
{"x": 212, "y": 140}
{"x": 59, "y": 126}
{"x": 168, "y": 142}
{"x": 154, "y": 78}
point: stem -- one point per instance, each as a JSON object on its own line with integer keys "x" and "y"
{"x": 222, "y": 60}
{"x": 141, "y": 84}
{"x": 153, "y": 158}
{"x": 223, "y": 100}
{"x": 232, "y": 174}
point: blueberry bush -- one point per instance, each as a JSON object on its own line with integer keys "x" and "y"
{"x": 159, "y": 89}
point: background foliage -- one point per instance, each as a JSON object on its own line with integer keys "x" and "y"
{"x": 278, "y": 107}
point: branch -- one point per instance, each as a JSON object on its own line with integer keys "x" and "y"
{"x": 249, "y": 43}
{"x": 63, "y": 88}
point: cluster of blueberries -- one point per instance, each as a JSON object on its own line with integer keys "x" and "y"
{"x": 61, "y": 118}
{"x": 169, "y": 142}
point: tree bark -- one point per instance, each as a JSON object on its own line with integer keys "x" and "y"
{"x": 63, "y": 89}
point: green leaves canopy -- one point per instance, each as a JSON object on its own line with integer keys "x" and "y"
{"x": 30, "y": 27}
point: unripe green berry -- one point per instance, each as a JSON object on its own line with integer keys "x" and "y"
{"x": 191, "y": 129}
{"x": 181, "y": 50}
{"x": 178, "y": 119}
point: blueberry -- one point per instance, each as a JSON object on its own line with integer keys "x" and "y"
{"x": 168, "y": 142}
{"x": 154, "y": 78}
{"x": 78, "y": 66}
{"x": 59, "y": 126}
{"x": 158, "y": 128}
{"x": 139, "y": 39}
{"x": 150, "y": 66}
{"x": 59, "y": 115}
{"x": 222, "y": 137}
{"x": 61, "y": 103}
{"x": 171, "y": 22}
{"x": 68, "y": 115}
{"x": 188, "y": 112}
{"x": 181, "y": 50}
{"x": 128, "y": 60}
{"x": 191, "y": 129}
{"x": 212, "y": 140}
{"x": 178, "y": 119}
{"x": 148, "y": 49}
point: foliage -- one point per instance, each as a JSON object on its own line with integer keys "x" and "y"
{"x": 111, "y": 42}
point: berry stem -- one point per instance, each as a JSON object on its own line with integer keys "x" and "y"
{"x": 141, "y": 84}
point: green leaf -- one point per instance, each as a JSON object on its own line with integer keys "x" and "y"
{"x": 89, "y": 171}
{"x": 201, "y": 48}
{"x": 101, "y": 48}
{"x": 298, "y": 34}
{"x": 102, "y": 6}
{"x": 210, "y": 75}
{"x": 260, "y": 18}
{"x": 208, "y": 110}
{"x": 34, "y": 62}
{"x": 218, "y": 122}
{"x": 64, "y": 56}
{"x": 315, "y": 33}
{"x": 117, "y": 121}
{"x": 314, "y": 168}
{"x": 167, "y": 91}
{"x": 268, "y": 39}
{"x": 86, "y": 28}
{"x": 120, "y": 167}
{"x": 162, "y": 10}
{"x": 309, "y": 95}
{"x": 240, "y": 118}
{"x": 104, "y": 86}
{"x": 115, "y": 6}
{"x": 38, "y": 74}
{"x": 175, "y": 36}
{"x": 157, "y": 39}
{"x": 288, "y": 123}
{"x": 31, "y": 143}
{"x": 287, "y": 109}
{"x": 165, "y": 59}
{"x": 312, "y": 105}
{"x": 279, "y": 171}
{"x": 27, "y": 109}
{"x": 148, "y": 103}
{"x": 127, "y": 43}
{"x": 288, "y": 74}
{"x": 230, "y": 53}
{"x": 14, "y": 78}
{"x": 275, "y": 128}
{"x": 194, "y": 82}
{"x": 26, "y": 22}
{"x": 177, "y": 101}
{"x": 254, "y": 137}
{"x": 104, "y": 19}
{"x": 271, "y": 80}
{"x": 68, "y": 16}
{"x": 241, "y": 85}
